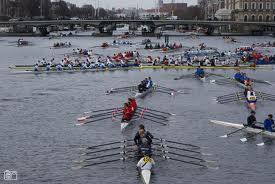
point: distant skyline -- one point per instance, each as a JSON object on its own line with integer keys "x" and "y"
{"x": 126, "y": 3}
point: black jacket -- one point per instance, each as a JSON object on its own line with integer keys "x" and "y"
{"x": 251, "y": 120}
{"x": 148, "y": 136}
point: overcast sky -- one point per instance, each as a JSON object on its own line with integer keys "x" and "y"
{"x": 126, "y": 3}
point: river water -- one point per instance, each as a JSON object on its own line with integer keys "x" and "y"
{"x": 39, "y": 139}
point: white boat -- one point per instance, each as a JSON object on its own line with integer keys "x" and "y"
{"x": 143, "y": 94}
{"x": 240, "y": 126}
{"x": 124, "y": 125}
{"x": 146, "y": 176}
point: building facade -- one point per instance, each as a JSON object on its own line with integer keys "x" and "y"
{"x": 252, "y": 10}
{"x": 210, "y": 7}
{"x": 3, "y": 7}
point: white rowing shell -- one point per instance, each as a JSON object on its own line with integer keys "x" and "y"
{"x": 240, "y": 126}
{"x": 146, "y": 176}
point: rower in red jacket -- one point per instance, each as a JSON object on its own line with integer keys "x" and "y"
{"x": 133, "y": 103}
{"x": 127, "y": 113}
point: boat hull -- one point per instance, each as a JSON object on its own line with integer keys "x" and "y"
{"x": 240, "y": 126}
{"x": 146, "y": 176}
{"x": 142, "y": 95}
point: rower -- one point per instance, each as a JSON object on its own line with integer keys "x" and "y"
{"x": 133, "y": 103}
{"x": 140, "y": 87}
{"x": 200, "y": 72}
{"x": 251, "y": 96}
{"x": 252, "y": 121}
{"x": 127, "y": 115}
{"x": 36, "y": 68}
{"x": 145, "y": 147}
{"x": 48, "y": 67}
{"x": 149, "y": 83}
{"x": 59, "y": 67}
{"x": 269, "y": 123}
{"x": 142, "y": 133}
{"x": 238, "y": 77}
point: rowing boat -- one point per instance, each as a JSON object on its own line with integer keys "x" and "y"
{"x": 143, "y": 94}
{"x": 240, "y": 126}
{"x": 146, "y": 176}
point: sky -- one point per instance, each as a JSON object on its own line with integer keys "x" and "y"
{"x": 126, "y": 3}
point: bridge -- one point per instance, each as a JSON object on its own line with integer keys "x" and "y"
{"x": 152, "y": 24}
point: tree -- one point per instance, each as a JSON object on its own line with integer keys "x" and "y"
{"x": 30, "y": 8}
{"x": 62, "y": 9}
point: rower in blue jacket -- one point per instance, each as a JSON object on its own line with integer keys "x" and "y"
{"x": 149, "y": 83}
{"x": 269, "y": 123}
{"x": 239, "y": 77}
{"x": 200, "y": 72}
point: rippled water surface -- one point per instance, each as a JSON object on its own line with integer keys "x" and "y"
{"x": 39, "y": 139}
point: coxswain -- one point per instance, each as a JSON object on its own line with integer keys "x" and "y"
{"x": 126, "y": 113}
{"x": 142, "y": 133}
{"x": 269, "y": 123}
{"x": 149, "y": 83}
{"x": 200, "y": 72}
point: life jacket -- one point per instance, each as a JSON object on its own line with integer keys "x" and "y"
{"x": 251, "y": 97}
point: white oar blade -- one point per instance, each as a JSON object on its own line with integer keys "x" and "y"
{"x": 243, "y": 139}
{"x": 224, "y": 136}
{"x": 82, "y": 118}
{"x": 260, "y": 144}
{"x": 212, "y": 81}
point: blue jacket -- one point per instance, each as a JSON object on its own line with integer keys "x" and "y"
{"x": 268, "y": 124}
{"x": 199, "y": 72}
{"x": 238, "y": 76}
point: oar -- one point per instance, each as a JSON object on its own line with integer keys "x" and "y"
{"x": 192, "y": 163}
{"x": 156, "y": 117}
{"x": 106, "y": 144}
{"x": 180, "y": 143}
{"x": 161, "y": 123}
{"x": 261, "y": 81}
{"x": 103, "y": 110}
{"x": 151, "y": 113}
{"x": 99, "y": 151}
{"x": 169, "y": 89}
{"x": 95, "y": 115}
{"x": 245, "y": 138}
{"x": 263, "y": 143}
{"x": 182, "y": 149}
{"x": 225, "y": 136}
{"x": 169, "y": 93}
{"x": 187, "y": 156}
{"x": 171, "y": 114}
{"x": 227, "y": 96}
{"x": 95, "y": 120}
{"x": 98, "y": 163}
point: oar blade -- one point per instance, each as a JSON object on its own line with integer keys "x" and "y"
{"x": 243, "y": 139}
{"x": 261, "y": 144}
{"x": 224, "y": 136}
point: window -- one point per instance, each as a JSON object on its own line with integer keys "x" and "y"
{"x": 267, "y": 19}
{"x": 260, "y": 18}
{"x": 261, "y": 6}
{"x": 273, "y": 18}
{"x": 245, "y": 6}
{"x": 253, "y": 6}
{"x": 253, "y": 18}
{"x": 267, "y": 6}
{"x": 245, "y": 18}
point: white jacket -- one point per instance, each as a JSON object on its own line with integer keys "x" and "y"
{"x": 145, "y": 164}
